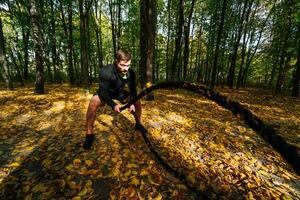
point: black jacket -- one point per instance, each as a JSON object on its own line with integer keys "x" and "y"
{"x": 111, "y": 85}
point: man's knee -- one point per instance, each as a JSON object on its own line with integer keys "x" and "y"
{"x": 96, "y": 102}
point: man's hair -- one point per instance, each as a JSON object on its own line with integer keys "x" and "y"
{"x": 123, "y": 55}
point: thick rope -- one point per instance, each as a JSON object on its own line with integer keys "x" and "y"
{"x": 289, "y": 152}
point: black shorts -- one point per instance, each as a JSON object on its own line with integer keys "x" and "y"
{"x": 122, "y": 96}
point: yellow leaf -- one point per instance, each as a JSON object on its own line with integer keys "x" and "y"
{"x": 26, "y": 188}
{"x": 250, "y": 196}
{"x": 134, "y": 181}
{"x": 83, "y": 192}
{"x": 249, "y": 185}
{"x": 88, "y": 163}
{"x": 69, "y": 167}
{"x": 92, "y": 172}
{"x": 83, "y": 171}
{"x": 191, "y": 177}
{"x": 158, "y": 197}
{"x": 150, "y": 179}
{"x": 72, "y": 185}
{"x": 40, "y": 187}
{"x": 182, "y": 187}
{"x": 131, "y": 192}
{"x": 76, "y": 198}
{"x": 62, "y": 184}
{"x": 242, "y": 175}
{"x": 29, "y": 148}
{"x": 89, "y": 184}
{"x": 116, "y": 172}
{"x": 127, "y": 173}
{"x": 148, "y": 84}
{"x": 144, "y": 172}
{"x": 28, "y": 197}
{"x": 47, "y": 162}
{"x": 140, "y": 196}
{"x": 14, "y": 164}
{"x": 76, "y": 161}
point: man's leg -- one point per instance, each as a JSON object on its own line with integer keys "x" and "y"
{"x": 90, "y": 118}
{"x": 138, "y": 110}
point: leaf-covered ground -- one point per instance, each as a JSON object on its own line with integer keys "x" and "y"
{"x": 42, "y": 157}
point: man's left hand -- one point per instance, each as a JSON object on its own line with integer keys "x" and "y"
{"x": 131, "y": 108}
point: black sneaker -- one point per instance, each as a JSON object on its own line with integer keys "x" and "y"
{"x": 89, "y": 139}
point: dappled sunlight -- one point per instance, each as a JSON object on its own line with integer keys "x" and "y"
{"x": 281, "y": 112}
{"x": 42, "y": 155}
{"x": 234, "y": 158}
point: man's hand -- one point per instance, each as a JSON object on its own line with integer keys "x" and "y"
{"x": 131, "y": 108}
{"x": 117, "y": 108}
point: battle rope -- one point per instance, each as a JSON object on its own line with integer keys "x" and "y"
{"x": 289, "y": 152}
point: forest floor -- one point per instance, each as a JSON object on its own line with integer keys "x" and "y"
{"x": 41, "y": 154}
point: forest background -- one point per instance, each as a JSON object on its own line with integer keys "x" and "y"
{"x": 229, "y": 42}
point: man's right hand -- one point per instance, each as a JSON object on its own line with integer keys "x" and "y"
{"x": 117, "y": 108}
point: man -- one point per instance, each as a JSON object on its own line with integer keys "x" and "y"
{"x": 113, "y": 78}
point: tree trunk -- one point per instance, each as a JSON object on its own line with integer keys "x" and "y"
{"x": 284, "y": 61}
{"x": 296, "y": 80}
{"x": 147, "y": 42}
{"x": 38, "y": 47}
{"x": 54, "y": 56}
{"x": 99, "y": 35}
{"x": 19, "y": 74}
{"x": 70, "y": 45}
{"x": 113, "y": 25}
{"x": 186, "y": 40}
{"x": 230, "y": 77}
{"x": 168, "y": 42}
{"x": 25, "y": 35}
{"x": 217, "y": 49}
{"x": 3, "y": 63}
{"x": 83, "y": 45}
{"x": 178, "y": 42}
{"x": 239, "y": 79}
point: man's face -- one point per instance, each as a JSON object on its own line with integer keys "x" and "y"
{"x": 123, "y": 66}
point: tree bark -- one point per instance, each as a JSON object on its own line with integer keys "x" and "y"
{"x": 37, "y": 37}
{"x": 217, "y": 49}
{"x": 178, "y": 42}
{"x": 186, "y": 40}
{"x": 147, "y": 42}
{"x": 19, "y": 74}
{"x": 113, "y": 25}
{"x": 83, "y": 44}
{"x": 168, "y": 42}
{"x": 230, "y": 77}
{"x": 3, "y": 63}
{"x": 54, "y": 57}
{"x": 284, "y": 61}
{"x": 296, "y": 78}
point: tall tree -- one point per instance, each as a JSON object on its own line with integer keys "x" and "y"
{"x": 37, "y": 37}
{"x": 187, "y": 40}
{"x": 217, "y": 49}
{"x": 84, "y": 11}
{"x": 284, "y": 64}
{"x": 230, "y": 77}
{"x": 296, "y": 78}
{"x": 3, "y": 63}
{"x": 147, "y": 41}
{"x": 178, "y": 42}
